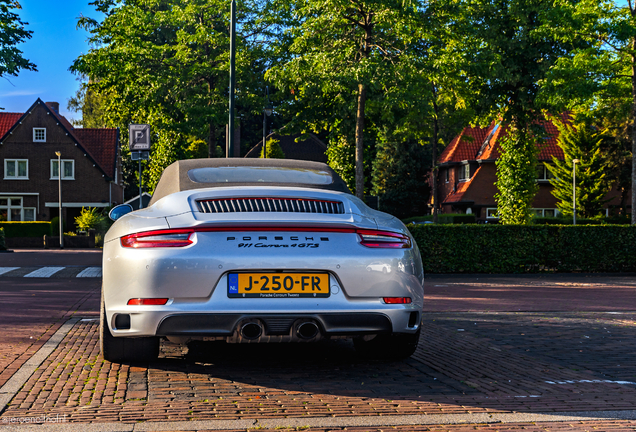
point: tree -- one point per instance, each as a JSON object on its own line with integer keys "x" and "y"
{"x": 507, "y": 48}
{"x": 273, "y": 150}
{"x": 584, "y": 143}
{"x": 12, "y": 33}
{"x": 601, "y": 77}
{"x": 341, "y": 56}
{"x": 165, "y": 63}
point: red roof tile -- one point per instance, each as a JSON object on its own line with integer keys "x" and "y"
{"x": 102, "y": 144}
{"x": 485, "y": 146}
{"x": 7, "y": 120}
{"x": 462, "y": 188}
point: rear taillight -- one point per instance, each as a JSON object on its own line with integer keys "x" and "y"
{"x": 397, "y": 300}
{"x": 147, "y": 301}
{"x": 163, "y": 238}
{"x": 383, "y": 239}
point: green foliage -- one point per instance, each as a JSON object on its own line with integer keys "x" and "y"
{"x": 91, "y": 104}
{"x": 516, "y": 177}
{"x": 12, "y": 33}
{"x": 26, "y": 229}
{"x": 90, "y": 218}
{"x": 525, "y": 248}
{"x": 3, "y": 244}
{"x": 399, "y": 170}
{"x": 198, "y": 149}
{"x": 165, "y": 63}
{"x": 444, "y": 218}
{"x": 584, "y": 143}
{"x": 273, "y": 150}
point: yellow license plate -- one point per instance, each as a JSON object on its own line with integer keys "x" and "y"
{"x": 282, "y": 285}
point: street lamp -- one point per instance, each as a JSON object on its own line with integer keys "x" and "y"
{"x": 267, "y": 111}
{"x": 59, "y": 186}
{"x": 574, "y": 162}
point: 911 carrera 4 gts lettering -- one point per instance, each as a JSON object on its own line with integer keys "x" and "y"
{"x": 293, "y": 245}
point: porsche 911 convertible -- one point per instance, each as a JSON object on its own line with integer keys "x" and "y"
{"x": 258, "y": 251}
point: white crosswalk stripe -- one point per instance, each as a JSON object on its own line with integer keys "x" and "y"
{"x": 44, "y": 272}
{"x": 90, "y": 272}
{"x": 4, "y": 270}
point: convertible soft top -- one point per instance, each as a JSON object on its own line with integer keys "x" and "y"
{"x": 205, "y": 173}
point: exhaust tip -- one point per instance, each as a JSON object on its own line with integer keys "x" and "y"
{"x": 251, "y": 330}
{"x": 307, "y": 330}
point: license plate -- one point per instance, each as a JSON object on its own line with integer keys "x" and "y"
{"x": 278, "y": 285}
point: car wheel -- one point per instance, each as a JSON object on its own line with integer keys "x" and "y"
{"x": 394, "y": 346}
{"x": 123, "y": 349}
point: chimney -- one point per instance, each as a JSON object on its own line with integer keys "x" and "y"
{"x": 55, "y": 106}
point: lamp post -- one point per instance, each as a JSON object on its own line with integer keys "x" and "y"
{"x": 59, "y": 187}
{"x": 574, "y": 162}
{"x": 267, "y": 111}
{"x": 230, "y": 133}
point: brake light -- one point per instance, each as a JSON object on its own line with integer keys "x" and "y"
{"x": 147, "y": 301}
{"x": 397, "y": 300}
{"x": 383, "y": 239}
{"x": 163, "y": 238}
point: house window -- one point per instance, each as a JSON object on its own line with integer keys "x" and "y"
{"x": 545, "y": 212}
{"x": 28, "y": 214}
{"x": 543, "y": 174}
{"x": 491, "y": 213}
{"x": 68, "y": 169}
{"x": 447, "y": 175}
{"x": 39, "y": 134}
{"x": 11, "y": 210}
{"x": 464, "y": 172}
{"x": 16, "y": 169}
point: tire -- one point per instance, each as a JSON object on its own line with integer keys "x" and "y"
{"x": 394, "y": 346}
{"x": 123, "y": 349}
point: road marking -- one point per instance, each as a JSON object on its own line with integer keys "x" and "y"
{"x": 4, "y": 270}
{"x": 591, "y": 381}
{"x": 44, "y": 272}
{"x": 15, "y": 383}
{"x": 91, "y": 272}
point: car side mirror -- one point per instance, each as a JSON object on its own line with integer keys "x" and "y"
{"x": 119, "y": 211}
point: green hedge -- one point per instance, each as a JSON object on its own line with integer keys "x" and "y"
{"x": 3, "y": 245}
{"x": 526, "y": 248}
{"x": 444, "y": 218}
{"x": 612, "y": 220}
{"x": 26, "y": 229}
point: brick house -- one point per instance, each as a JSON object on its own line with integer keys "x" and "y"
{"x": 467, "y": 172}
{"x": 91, "y": 165}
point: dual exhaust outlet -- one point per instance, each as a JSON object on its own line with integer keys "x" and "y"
{"x": 304, "y": 330}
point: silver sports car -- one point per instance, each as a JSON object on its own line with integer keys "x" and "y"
{"x": 258, "y": 250}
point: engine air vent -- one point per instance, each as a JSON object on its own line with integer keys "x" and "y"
{"x": 283, "y": 205}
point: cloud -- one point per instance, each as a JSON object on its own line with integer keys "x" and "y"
{"x": 20, "y": 93}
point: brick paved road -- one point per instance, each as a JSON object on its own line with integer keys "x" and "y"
{"x": 468, "y": 362}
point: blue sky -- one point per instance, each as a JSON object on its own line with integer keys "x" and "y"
{"x": 54, "y": 45}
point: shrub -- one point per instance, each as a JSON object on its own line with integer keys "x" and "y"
{"x": 90, "y": 218}
{"x": 26, "y": 229}
{"x": 444, "y": 218}
{"x": 525, "y": 248}
{"x": 3, "y": 245}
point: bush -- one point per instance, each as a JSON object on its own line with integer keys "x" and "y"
{"x": 90, "y": 218}
{"x": 444, "y": 218}
{"x": 525, "y": 248}
{"x": 26, "y": 229}
{"x": 3, "y": 245}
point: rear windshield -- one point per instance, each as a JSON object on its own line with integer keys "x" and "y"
{"x": 249, "y": 174}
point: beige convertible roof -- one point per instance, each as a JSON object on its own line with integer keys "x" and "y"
{"x": 200, "y": 173}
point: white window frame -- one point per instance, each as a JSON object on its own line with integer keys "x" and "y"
{"x": 488, "y": 210}
{"x": 35, "y": 131}
{"x": 545, "y": 174}
{"x": 465, "y": 170}
{"x": 35, "y": 215}
{"x": 543, "y": 210}
{"x": 59, "y": 169}
{"x": 17, "y": 175}
{"x": 10, "y": 206}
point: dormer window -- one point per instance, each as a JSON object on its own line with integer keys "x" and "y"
{"x": 464, "y": 172}
{"x": 39, "y": 134}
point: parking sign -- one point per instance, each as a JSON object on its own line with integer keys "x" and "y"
{"x": 139, "y": 137}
